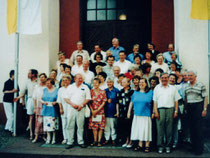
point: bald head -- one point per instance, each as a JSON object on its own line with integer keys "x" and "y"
{"x": 115, "y": 42}
{"x": 116, "y": 71}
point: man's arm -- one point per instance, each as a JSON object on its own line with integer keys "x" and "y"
{"x": 205, "y": 106}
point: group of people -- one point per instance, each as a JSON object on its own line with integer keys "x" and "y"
{"x": 137, "y": 100}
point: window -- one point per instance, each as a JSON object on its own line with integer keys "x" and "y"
{"x": 103, "y": 10}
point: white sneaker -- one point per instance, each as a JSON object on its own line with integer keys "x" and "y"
{"x": 124, "y": 145}
{"x": 160, "y": 150}
{"x": 53, "y": 142}
{"x": 47, "y": 142}
{"x": 168, "y": 150}
{"x": 64, "y": 141}
{"x": 129, "y": 146}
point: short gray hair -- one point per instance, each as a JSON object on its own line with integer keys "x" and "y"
{"x": 193, "y": 71}
{"x": 184, "y": 71}
{"x": 110, "y": 79}
{"x": 133, "y": 67}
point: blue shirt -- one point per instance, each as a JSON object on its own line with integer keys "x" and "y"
{"x": 130, "y": 57}
{"x": 168, "y": 60}
{"x": 115, "y": 52}
{"x": 110, "y": 109}
{"x": 49, "y": 97}
{"x": 142, "y": 103}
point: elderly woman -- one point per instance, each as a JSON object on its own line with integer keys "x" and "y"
{"x": 49, "y": 112}
{"x": 141, "y": 129}
{"x": 110, "y": 112}
{"x": 124, "y": 123}
{"x": 97, "y": 121}
{"x": 66, "y": 80}
{"x": 160, "y": 64}
{"x": 38, "y": 106}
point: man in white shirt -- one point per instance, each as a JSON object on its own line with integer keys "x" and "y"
{"x": 116, "y": 71}
{"x": 77, "y": 96}
{"x": 123, "y": 63}
{"x": 165, "y": 109}
{"x": 78, "y": 67}
{"x": 97, "y": 49}
{"x": 88, "y": 75}
{"x": 79, "y": 51}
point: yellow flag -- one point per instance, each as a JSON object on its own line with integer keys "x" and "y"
{"x": 200, "y": 9}
{"x": 12, "y": 16}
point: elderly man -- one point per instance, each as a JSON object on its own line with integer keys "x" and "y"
{"x": 167, "y": 55}
{"x": 97, "y": 49}
{"x": 123, "y": 63}
{"x": 116, "y": 48}
{"x": 78, "y": 67}
{"x": 196, "y": 104}
{"x": 108, "y": 69}
{"x": 77, "y": 96}
{"x": 116, "y": 71}
{"x": 165, "y": 109}
{"x": 131, "y": 56}
{"x": 79, "y": 51}
{"x": 89, "y": 75}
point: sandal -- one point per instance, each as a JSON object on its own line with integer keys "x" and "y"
{"x": 99, "y": 144}
{"x": 93, "y": 144}
{"x": 138, "y": 148}
{"x": 147, "y": 149}
{"x": 31, "y": 137}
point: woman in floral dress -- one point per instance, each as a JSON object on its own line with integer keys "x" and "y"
{"x": 97, "y": 120}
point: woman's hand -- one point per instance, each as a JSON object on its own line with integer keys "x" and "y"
{"x": 15, "y": 99}
{"x": 109, "y": 100}
{"x": 94, "y": 112}
{"x": 61, "y": 111}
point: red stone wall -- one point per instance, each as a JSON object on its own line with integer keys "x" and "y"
{"x": 69, "y": 25}
{"x": 162, "y": 23}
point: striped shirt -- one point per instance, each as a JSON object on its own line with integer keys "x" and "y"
{"x": 196, "y": 93}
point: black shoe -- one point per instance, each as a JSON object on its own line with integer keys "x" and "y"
{"x": 69, "y": 146}
{"x": 82, "y": 146}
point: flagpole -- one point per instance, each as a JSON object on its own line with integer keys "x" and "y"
{"x": 16, "y": 68}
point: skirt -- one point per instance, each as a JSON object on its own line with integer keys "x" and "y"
{"x": 141, "y": 128}
{"x": 30, "y": 106}
{"x": 50, "y": 124}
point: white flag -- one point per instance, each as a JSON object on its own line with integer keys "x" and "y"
{"x": 30, "y": 17}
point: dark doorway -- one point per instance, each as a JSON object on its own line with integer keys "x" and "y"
{"x": 128, "y": 20}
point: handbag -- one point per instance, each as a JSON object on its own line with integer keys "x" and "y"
{"x": 87, "y": 111}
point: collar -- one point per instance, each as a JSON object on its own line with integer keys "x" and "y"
{"x": 162, "y": 85}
